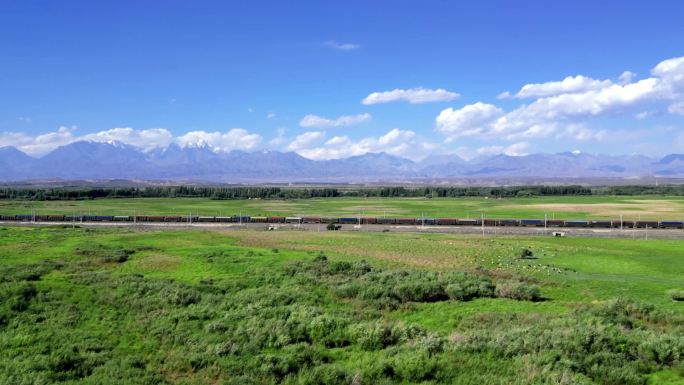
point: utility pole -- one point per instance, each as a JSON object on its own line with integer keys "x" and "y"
{"x": 622, "y": 223}
{"x": 483, "y": 224}
{"x": 545, "y": 225}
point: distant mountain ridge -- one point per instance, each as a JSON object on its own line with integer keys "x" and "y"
{"x": 99, "y": 160}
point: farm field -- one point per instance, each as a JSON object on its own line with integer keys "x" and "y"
{"x": 254, "y": 307}
{"x": 566, "y": 207}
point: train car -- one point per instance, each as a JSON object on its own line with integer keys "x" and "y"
{"x": 407, "y": 221}
{"x": 258, "y": 219}
{"x": 671, "y": 225}
{"x": 154, "y": 218}
{"x": 348, "y": 220}
{"x": 206, "y": 219}
{"x": 555, "y": 223}
{"x": 223, "y": 219}
{"x": 312, "y": 220}
{"x": 509, "y": 222}
{"x": 532, "y": 222}
{"x": 369, "y": 220}
{"x": 491, "y": 222}
{"x": 577, "y": 223}
{"x": 428, "y": 221}
{"x": 293, "y": 219}
{"x": 240, "y": 219}
{"x": 55, "y": 218}
{"x": 626, "y": 224}
{"x": 24, "y": 217}
{"x": 276, "y": 219}
{"x": 385, "y": 221}
{"x": 122, "y": 218}
{"x": 445, "y": 221}
{"x": 173, "y": 218}
{"x": 645, "y": 224}
{"x": 8, "y": 217}
{"x": 601, "y": 224}
{"x": 468, "y": 222}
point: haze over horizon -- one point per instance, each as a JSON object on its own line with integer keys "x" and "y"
{"x": 339, "y": 79}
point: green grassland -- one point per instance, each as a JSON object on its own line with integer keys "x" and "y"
{"x": 247, "y": 307}
{"x": 567, "y": 207}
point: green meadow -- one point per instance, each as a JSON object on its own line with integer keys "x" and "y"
{"x": 567, "y": 207}
{"x": 125, "y": 306}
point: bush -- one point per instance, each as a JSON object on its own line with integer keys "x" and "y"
{"x": 377, "y": 335}
{"x": 518, "y": 290}
{"x": 526, "y": 253}
{"x": 469, "y": 288}
{"x": 676, "y": 294}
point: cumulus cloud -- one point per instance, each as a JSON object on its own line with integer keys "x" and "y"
{"x": 40, "y": 144}
{"x": 234, "y": 139}
{"x": 145, "y": 140}
{"x": 306, "y": 140}
{"x": 315, "y": 121}
{"x": 515, "y": 149}
{"x": 577, "y": 83}
{"x": 404, "y": 143}
{"x": 342, "y": 46}
{"x": 626, "y": 77}
{"x": 561, "y": 108}
{"x": 676, "y": 108}
{"x": 413, "y": 95}
{"x": 471, "y": 120}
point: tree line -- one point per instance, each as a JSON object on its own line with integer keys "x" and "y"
{"x": 232, "y": 193}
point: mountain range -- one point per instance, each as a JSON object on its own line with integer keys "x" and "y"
{"x": 106, "y": 161}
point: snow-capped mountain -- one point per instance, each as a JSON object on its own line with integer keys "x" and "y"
{"x": 97, "y": 160}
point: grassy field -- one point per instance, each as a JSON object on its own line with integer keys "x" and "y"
{"x": 247, "y": 307}
{"x": 581, "y": 207}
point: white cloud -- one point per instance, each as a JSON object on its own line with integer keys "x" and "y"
{"x": 404, "y": 143}
{"x": 413, "y": 95}
{"x": 234, "y": 139}
{"x": 306, "y": 140}
{"x": 342, "y": 46}
{"x": 279, "y": 140}
{"x": 676, "y": 108}
{"x": 570, "y": 84}
{"x": 626, "y": 77}
{"x": 562, "y": 108}
{"x": 315, "y": 121}
{"x": 270, "y": 115}
{"x": 471, "y": 120}
{"x": 145, "y": 140}
{"x": 515, "y": 149}
{"x": 25, "y": 119}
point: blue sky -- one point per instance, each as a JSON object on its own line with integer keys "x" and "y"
{"x": 292, "y": 76}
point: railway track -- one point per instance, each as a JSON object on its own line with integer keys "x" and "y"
{"x": 358, "y": 221}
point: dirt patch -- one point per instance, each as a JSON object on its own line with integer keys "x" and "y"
{"x": 646, "y": 209}
{"x": 159, "y": 262}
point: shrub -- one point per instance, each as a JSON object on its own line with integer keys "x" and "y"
{"x": 469, "y": 287}
{"x": 377, "y": 335}
{"x": 526, "y": 253}
{"x": 676, "y": 294}
{"x": 518, "y": 290}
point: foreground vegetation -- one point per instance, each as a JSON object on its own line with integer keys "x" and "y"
{"x": 197, "y": 307}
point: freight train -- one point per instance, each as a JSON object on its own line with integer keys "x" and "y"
{"x": 488, "y": 222}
